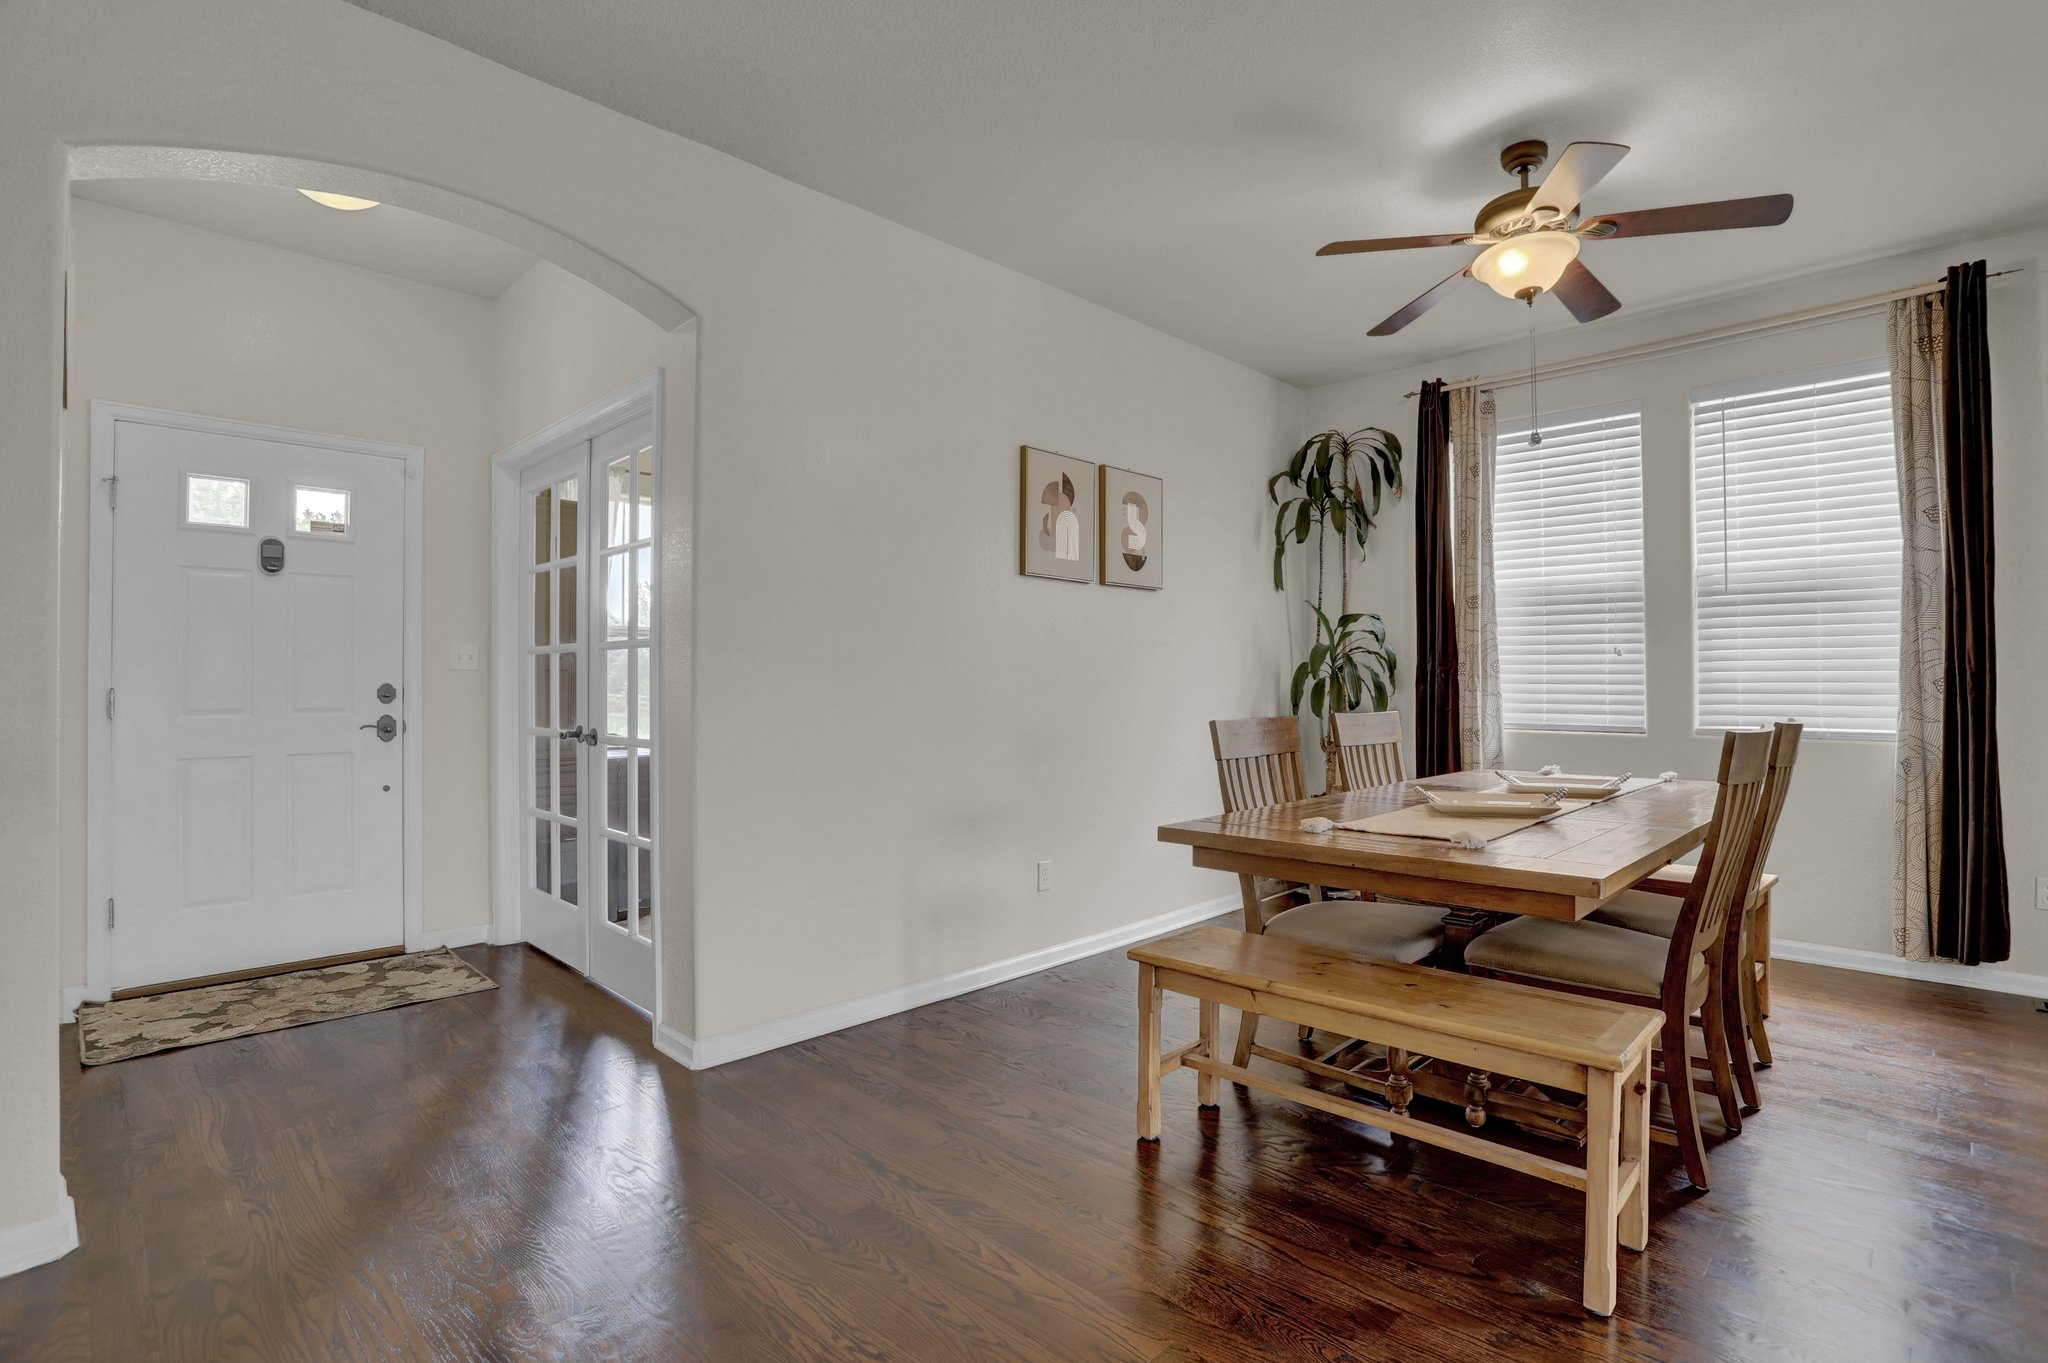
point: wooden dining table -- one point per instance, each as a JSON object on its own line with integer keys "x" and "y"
{"x": 1564, "y": 868}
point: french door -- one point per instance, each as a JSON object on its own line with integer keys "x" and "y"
{"x": 586, "y": 670}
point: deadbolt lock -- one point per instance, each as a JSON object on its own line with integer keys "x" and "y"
{"x": 386, "y": 693}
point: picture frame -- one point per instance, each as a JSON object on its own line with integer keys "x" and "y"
{"x": 1057, "y": 522}
{"x": 1133, "y": 533}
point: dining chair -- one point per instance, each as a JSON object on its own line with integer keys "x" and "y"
{"x": 1655, "y": 911}
{"x": 1258, "y": 763}
{"x": 1678, "y": 976}
{"x": 1369, "y": 748}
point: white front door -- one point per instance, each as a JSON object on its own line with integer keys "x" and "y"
{"x": 586, "y": 665}
{"x": 258, "y": 618}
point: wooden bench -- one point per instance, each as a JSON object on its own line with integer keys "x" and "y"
{"x": 1582, "y": 1045}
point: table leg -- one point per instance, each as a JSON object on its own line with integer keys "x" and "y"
{"x": 1208, "y": 1086}
{"x": 1148, "y": 1052}
{"x": 1761, "y": 948}
{"x": 1603, "y": 1174}
{"x": 1460, "y": 927}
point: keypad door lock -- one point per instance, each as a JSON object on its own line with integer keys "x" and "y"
{"x": 386, "y": 727}
{"x": 386, "y": 694}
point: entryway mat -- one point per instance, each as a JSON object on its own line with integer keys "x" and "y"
{"x": 127, "y": 1028}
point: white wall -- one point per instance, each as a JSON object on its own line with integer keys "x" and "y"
{"x": 168, "y": 315}
{"x": 1834, "y": 848}
{"x": 890, "y": 724}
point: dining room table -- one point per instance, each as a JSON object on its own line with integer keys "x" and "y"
{"x": 1562, "y": 868}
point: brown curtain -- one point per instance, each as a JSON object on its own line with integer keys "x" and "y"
{"x": 1974, "y": 921}
{"x": 1436, "y": 634}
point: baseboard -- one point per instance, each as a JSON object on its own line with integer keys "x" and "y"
{"x": 675, "y": 1045}
{"x": 1933, "y": 972}
{"x": 455, "y": 937}
{"x": 68, "y": 1000}
{"x": 704, "y": 1053}
{"x": 39, "y": 1242}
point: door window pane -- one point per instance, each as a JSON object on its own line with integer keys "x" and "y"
{"x": 568, "y": 890}
{"x": 565, "y": 770}
{"x": 543, "y": 696}
{"x": 644, "y": 701}
{"x": 643, "y": 786}
{"x": 644, "y": 521}
{"x": 618, "y": 901}
{"x": 565, "y": 544}
{"x": 643, "y": 923}
{"x": 568, "y": 669}
{"x": 617, "y": 776}
{"x": 617, "y": 518}
{"x": 643, "y": 588}
{"x": 617, "y": 597}
{"x": 615, "y": 691}
{"x": 566, "y": 618}
{"x": 216, "y": 501}
{"x": 319, "y": 511}
{"x": 543, "y": 775}
{"x": 543, "y": 859}
{"x": 542, "y": 624}
{"x": 543, "y": 525}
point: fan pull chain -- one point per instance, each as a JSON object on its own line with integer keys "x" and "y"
{"x": 1535, "y": 420}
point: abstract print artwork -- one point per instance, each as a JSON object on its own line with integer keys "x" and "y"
{"x": 1059, "y": 524}
{"x": 1133, "y": 529}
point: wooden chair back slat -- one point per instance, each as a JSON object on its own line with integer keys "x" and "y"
{"x": 1258, "y": 762}
{"x": 1722, "y": 883}
{"x": 1369, "y": 749}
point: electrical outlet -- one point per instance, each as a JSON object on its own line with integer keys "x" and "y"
{"x": 463, "y": 658}
{"x": 2040, "y": 893}
{"x": 1044, "y": 875}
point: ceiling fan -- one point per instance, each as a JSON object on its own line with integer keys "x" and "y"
{"x": 1532, "y": 234}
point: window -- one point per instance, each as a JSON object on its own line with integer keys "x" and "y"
{"x": 320, "y": 511}
{"x": 217, "y": 501}
{"x": 1568, "y": 571}
{"x": 1797, "y": 551}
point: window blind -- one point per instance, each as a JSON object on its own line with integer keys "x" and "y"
{"x": 1568, "y": 571}
{"x": 1797, "y": 551}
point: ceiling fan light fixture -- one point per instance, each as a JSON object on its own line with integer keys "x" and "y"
{"x": 1525, "y": 266}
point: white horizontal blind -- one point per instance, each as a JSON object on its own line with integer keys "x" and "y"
{"x": 1797, "y": 551}
{"x": 1568, "y": 571}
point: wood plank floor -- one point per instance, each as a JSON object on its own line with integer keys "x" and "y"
{"x": 516, "y": 1175}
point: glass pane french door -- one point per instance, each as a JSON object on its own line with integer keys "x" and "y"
{"x": 587, "y": 664}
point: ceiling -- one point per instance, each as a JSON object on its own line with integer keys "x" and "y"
{"x": 1179, "y": 161}
{"x": 389, "y": 240}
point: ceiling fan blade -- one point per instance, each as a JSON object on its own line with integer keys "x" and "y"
{"x": 1586, "y": 296}
{"x": 1345, "y": 248}
{"x": 1766, "y": 210}
{"x": 1421, "y": 305}
{"x": 1583, "y": 165}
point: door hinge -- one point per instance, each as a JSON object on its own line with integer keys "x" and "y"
{"x": 110, "y": 702}
{"x": 113, "y": 482}
{"x": 110, "y": 915}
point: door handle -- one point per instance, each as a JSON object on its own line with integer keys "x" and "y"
{"x": 386, "y": 727}
{"x": 572, "y": 735}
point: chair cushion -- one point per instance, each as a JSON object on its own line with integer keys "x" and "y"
{"x": 1386, "y": 932}
{"x": 1641, "y": 911}
{"x": 1595, "y": 955}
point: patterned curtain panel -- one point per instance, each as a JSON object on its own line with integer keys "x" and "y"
{"x": 1436, "y": 610}
{"x": 1915, "y": 328}
{"x": 1974, "y": 921}
{"x": 1472, "y": 440}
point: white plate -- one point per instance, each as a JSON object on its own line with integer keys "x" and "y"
{"x": 1490, "y": 804}
{"x": 1576, "y": 787}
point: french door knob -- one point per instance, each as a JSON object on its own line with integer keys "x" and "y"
{"x": 590, "y": 737}
{"x": 573, "y": 735}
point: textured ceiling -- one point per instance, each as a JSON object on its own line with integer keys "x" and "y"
{"x": 386, "y": 239}
{"x": 1179, "y": 161}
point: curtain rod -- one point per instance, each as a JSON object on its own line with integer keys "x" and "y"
{"x": 1789, "y": 321}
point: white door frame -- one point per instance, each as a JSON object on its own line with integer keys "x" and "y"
{"x": 642, "y": 396}
{"x": 99, "y": 664}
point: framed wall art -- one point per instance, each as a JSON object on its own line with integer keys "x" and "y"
{"x": 1059, "y": 526}
{"x": 1133, "y": 529}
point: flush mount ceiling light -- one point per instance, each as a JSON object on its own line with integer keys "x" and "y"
{"x": 1527, "y": 265}
{"x": 341, "y": 201}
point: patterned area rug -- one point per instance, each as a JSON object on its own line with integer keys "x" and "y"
{"x": 193, "y": 1017}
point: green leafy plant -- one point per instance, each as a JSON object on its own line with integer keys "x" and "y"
{"x": 1334, "y": 483}
{"x": 1351, "y": 663}
{"x": 1337, "y": 483}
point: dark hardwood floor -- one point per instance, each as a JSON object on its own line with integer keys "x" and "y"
{"x": 516, "y": 1175}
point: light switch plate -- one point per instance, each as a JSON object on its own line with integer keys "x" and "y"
{"x": 2041, "y": 893}
{"x": 1045, "y": 875}
{"x": 463, "y": 659}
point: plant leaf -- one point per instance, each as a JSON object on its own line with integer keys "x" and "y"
{"x": 1316, "y": 696}
{"x": 1301, "y": 675}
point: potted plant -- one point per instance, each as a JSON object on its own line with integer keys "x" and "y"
{"x": 1334, "y": 483}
